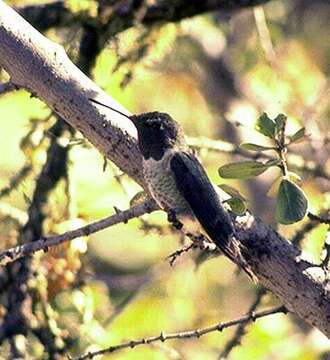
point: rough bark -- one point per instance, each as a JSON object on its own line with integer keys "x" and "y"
{"x": 42, "y": 67}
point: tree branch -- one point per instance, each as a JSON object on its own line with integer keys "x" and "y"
{"x": 197, "y": 333}
{"x": 48, "y": 15}
{"x": 16, "y": 180}
{"x": 42, "y": 67}
{"x": 44, "y": 244}
{"x": 319, "y": 218}
{"x": 122, "y": 14}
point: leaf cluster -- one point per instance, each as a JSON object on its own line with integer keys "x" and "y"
{"x": 291, "y": 201}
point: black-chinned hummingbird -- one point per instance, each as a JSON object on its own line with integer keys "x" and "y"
{"x": 178, "y": 182}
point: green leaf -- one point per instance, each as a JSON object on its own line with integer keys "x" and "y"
{"x": 266, "y": 126}
{"x": 242, "y": 170}
{"x": 255, "y": 147}
{"x": 291, "y": 203}
{"x": 273, "y": 162}
{"x": 231, "y": 191}
{"x": 298, "y": 135}
{"x": 237, "y": 206}
{"x": 280, "y": 122}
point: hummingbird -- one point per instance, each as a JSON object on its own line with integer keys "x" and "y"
{"x": 178, "y": 183}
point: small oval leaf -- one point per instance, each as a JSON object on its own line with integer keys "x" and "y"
{"x": 280, "y": 122}
{"x": 242, "y": 170}
{"x": 237, "y": 206}
{"x": 298, "y": 135}
{"x": 231, "y": 191}
{"x": 266, "y": 126}
{"x": 273, "y": 162}
{"x": 255, "y": 147}
{"x": 291, "y": 203}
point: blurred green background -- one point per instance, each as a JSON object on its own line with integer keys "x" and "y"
{"x": 214, "y": 74}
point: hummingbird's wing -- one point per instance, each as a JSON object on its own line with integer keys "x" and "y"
{"x": 196, "y": 188}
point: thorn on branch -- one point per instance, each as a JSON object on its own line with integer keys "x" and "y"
{"x": 117, "y": 211}
{"x": 253, "y": 316}
{"x": 162, "y": 337}
{"x": 326, "y": 249}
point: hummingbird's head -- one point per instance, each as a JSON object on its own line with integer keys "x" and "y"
{"x": 157, "y": 132}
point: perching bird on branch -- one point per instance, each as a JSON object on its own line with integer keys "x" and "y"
{"x": 179, "y": 184}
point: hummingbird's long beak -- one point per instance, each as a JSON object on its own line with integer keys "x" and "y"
{"x": 135, "y": 120}
{"x": 111, "y": 108}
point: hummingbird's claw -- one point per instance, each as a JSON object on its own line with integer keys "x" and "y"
{"x": 171, "y": 218}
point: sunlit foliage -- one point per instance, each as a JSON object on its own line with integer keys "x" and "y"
{"x": 216, "y": 76}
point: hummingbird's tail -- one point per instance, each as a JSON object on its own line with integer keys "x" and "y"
{"x": 230, "y": 246}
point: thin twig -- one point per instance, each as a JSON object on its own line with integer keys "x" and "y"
{"x": 319, "y": 218}
{"x": 18, "y": 216}
{"x": 295, "y": 161}
{"x": 315, "y": 220}
{"x": 16, "y": 180}
{"x": 196, "y": 333}
{"x": 17, "y": 252}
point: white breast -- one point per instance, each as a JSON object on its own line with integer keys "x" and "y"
{"x": 161, "y": 183}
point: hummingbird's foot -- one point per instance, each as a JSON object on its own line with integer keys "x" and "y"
{"x": 201, "y": 242}
{"x": 171, "y": 218}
